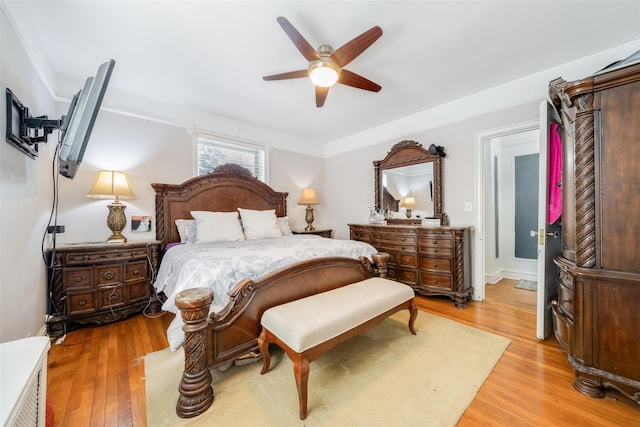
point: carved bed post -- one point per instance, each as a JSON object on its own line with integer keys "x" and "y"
{"x": 380, "y": 259}
{"x": 196, "y": 393}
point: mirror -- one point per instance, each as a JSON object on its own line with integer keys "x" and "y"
{"x": 409, "y": 180}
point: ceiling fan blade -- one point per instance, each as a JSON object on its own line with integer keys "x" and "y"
{"x": 321, "y": 95}
{"x": 303, "y": 46}
{"x": 290, "y": 75}
{"x": 348, "y": 52}
{"x": 349, "y": 78}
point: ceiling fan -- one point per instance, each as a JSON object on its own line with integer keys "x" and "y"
{"x": 326, "y": 65}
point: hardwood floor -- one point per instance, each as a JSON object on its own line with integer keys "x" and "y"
{"x": 96, "y": 377}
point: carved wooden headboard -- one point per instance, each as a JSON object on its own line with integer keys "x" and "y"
{"x": 225, "y": 189}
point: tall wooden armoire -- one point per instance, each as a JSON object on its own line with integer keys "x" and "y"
{"x": 597, "y": 313}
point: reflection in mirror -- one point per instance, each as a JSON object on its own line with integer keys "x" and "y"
{"x": 408, "y": 181}
{"x": 412, "y": 187}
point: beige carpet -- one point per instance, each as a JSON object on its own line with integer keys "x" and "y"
{"x": 386, "y": 377}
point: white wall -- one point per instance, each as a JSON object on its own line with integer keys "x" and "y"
{"x": 25, "y": 198}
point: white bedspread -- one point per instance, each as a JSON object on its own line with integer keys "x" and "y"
{"x": 220, "y": 266}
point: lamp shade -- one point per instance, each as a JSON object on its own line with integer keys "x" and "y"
{"x": 409, "y": 202}
{"x": 308, "y": 197}
{"x": 111, "y": 184}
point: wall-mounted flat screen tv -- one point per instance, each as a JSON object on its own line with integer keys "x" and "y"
{"x": 77, "y": 125}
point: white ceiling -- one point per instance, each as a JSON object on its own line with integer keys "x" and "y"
{"x": 210, "y": 56}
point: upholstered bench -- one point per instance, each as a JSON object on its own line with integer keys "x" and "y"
{"x": 308, "y": 327}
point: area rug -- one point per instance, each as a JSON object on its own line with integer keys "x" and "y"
{"x": 386, "y": 377}
{"x": 529, "y": 285}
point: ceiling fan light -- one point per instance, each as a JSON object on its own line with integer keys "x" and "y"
{"x": 324, "y": 73}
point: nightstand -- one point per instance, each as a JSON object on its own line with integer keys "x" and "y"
{"x": 321, "y": 233}
{"x": 98, "y": 283}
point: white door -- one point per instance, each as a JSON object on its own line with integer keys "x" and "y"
{"x": 549, "y": 236}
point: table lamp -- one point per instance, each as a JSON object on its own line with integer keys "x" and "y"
{"x": 409, "y": 202}
{"x": 113, "y": 184}
{"x": 308, "y": 198}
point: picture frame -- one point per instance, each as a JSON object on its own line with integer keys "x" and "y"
{"x": 141, "y": 223}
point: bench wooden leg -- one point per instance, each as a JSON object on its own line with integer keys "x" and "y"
{"x": 301, "y": 372}
{"x": 413, "y": 314}
{"x": 263, "y": 345}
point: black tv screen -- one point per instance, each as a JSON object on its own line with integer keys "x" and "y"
{"x": 78, "y": 123}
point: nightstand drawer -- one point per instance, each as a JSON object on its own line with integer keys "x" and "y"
{"x": 81, "y": 303}
{"x": 135, "y": 271}
{"x": 116, "y": 254}
{"x": 108, "y": 274}
{"x": 139, "y": 291}
{"x": 112, "y": 296}
{"x": 77, "y": 278}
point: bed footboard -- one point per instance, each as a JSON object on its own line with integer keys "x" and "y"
{"x": 214, "y": 340}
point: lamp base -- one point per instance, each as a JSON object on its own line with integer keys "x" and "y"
{"x": 117, "y": 238}
{"x": 309, "y": 218}
{"x": 408, "y": 213}
{"x": 116, "y": 221}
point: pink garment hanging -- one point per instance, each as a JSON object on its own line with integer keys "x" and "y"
{"x": 554, "y": 210}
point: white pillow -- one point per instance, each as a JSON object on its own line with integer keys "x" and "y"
{"x": 217, "y": 226}
{"x": 186, "y": 230}
{"x": 259, "y": 224}
{"x": 283, "y": 224}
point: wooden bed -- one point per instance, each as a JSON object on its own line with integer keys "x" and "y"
{"x": 217, "y": 339}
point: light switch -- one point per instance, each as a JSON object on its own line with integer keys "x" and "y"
{"x": 468, "y": 207}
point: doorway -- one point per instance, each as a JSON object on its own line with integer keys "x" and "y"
{"x": 495, "y": 244}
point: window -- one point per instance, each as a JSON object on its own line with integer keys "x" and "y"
{"x": 214, "y": 151}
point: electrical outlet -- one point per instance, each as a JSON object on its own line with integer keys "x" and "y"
{"x": 468, "y": 207}
{"x": 55, "y": 229}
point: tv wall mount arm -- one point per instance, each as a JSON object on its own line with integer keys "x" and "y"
{"x": 24, "y": 131}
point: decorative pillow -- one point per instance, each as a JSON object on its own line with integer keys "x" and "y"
{"x": 217, "y": 227}
{"x": 186, "y": 230}
{"x": 283, "y": 224}
{"x": 259, "y": 224}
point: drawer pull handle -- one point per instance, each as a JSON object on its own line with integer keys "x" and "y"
{"x": 435, "y": 281}
{"x": 402, "y": 248}
{"x": 435, "y": 242}
{"x": 109, "y": 275}
{"x": 82, "y": 303}
{"x": 403, "y": 239}
{"x": 78, "y": 279}
{"x": 435, "y": 264}
{"x": 114, "y": 296}
{"x": 136, "y": 272}
{"x": 435, "y": 250}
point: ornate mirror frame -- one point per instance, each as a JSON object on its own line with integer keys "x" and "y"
{"x": 406, "y": 153}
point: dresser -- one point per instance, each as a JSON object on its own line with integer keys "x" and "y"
{"x": 432, "y": 260}
{"x": 596, "y": 315}
{"x": 98, "y": 283}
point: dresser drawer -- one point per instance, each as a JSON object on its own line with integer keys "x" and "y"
{"x": 81, "y": 303}
{"x": 408, "y": 277}
{"x": 77, "y": 278}
{"x": 108, "y": 274}
{"x": 436, "y": 250}
{"x": 436, "y": 264}
{"x": 135, "y": 270}
{"x": 435, "y": 238}
{"x": 360, "y": 234}
{"x": 435, "y": 280}
{"x": 403, "y": 259}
